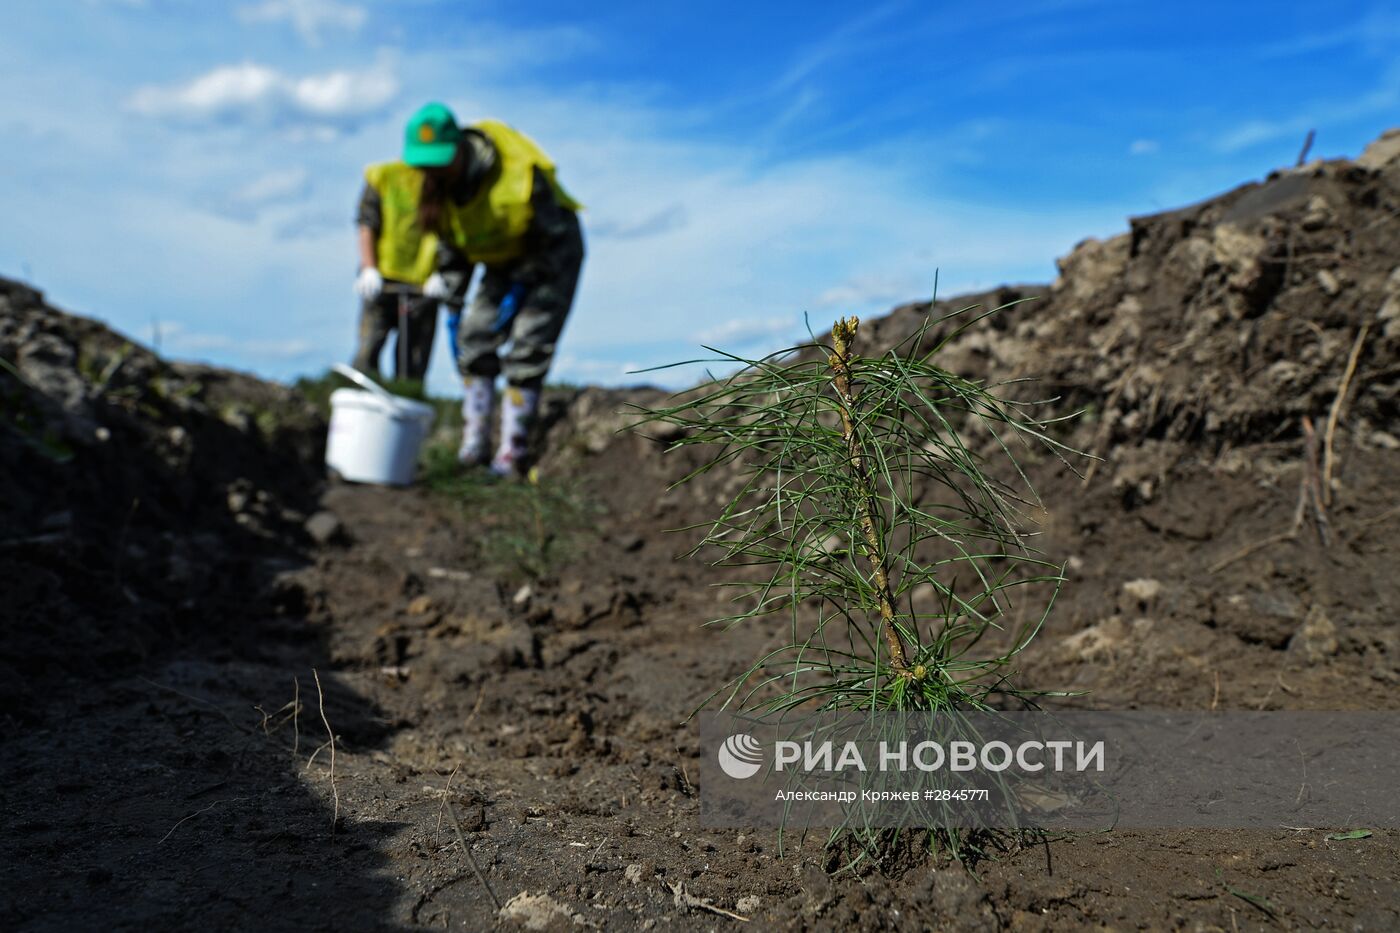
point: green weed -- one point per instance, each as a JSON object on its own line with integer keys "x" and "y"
{"x": 1257, "y": 901}
{"x": 524, "y": 530}
{"x": 17, "y": 411}
{"x": 1349, "y": 835}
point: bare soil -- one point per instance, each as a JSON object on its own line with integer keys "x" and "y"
{"x": 166, "y": 762}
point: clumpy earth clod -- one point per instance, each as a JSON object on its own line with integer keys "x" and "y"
{"x": 175, "y": 568}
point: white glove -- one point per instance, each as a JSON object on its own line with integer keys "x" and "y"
{"x": 437, "y": 287}
{"x": 369, "y": 283}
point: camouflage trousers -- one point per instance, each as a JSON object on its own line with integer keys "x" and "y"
{"x": 548, "y": 281}
{"x": 379, "y": 317}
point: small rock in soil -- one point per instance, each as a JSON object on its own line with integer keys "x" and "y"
{"x": 1143, "y": 592}
{"x": 325, "y": 528}
{"x": 1316, "y": 638}
{"x": 816, "y": 885}
{"x": 538, "y": 912}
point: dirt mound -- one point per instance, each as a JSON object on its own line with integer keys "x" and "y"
{"x": 1217, "y": 324}
{"x": 540, "y": 723}
{"x": 1195, "y": 348}
{"x": 1226, "y": 322}
{"x": 143, "y": 499}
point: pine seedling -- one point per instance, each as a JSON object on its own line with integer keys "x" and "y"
{"x": 878, "y": 516}
{"x": 873, "y": 520}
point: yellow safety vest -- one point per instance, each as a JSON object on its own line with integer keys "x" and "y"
{"x": 490, "y": 228}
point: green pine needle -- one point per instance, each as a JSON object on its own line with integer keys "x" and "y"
{"x": 873, "y": 520}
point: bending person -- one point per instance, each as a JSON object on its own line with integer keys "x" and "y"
{"x": 388, "y": 286}
{"x": 486, "y": 194}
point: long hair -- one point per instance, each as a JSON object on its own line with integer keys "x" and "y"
{"x": 437, "y": 182}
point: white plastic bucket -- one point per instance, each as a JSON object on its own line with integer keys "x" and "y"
{"x": 375, "y": 435}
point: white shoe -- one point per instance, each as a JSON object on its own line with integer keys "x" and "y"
{"x": 518, "y": 407}
{"x": 477, "y": 395}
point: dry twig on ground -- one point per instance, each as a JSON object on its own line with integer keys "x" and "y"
{"x": 1314, "y": 482}
{"x": 684, "y": 899}
{"x": 335, "y": 791}
{"x": 196, "y": 813}
{"x": 1338, "y": 404}
{"x": 296, "y": 713}
{"x": 467, "y": 851}
{"x": 446, "y": 792}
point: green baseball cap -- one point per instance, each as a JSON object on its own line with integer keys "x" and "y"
{"x": 431, "y": 137}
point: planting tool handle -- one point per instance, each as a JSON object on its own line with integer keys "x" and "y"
{"x": 401, "y": 338}
{"x": 411, "y": 291}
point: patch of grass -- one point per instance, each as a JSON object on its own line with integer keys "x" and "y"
{"x": 406, "y": 388}
{"x": 318, "y": 389}
{"x": 267, "y": 422}
{"x": 99, "y": 370}
{"x": 18, "y": 412}
{"x": 525, "y": 530}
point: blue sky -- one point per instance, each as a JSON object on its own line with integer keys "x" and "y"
{"x": 189, "y": 169}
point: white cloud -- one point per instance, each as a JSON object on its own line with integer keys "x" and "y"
{"x": 175, "y": 338}
{"x": 280, "y": 186}
{"x": 1376, "y": 32}
{"x": 745, "y": 331}
{"x": 569, "y": 367}
{"x": 315, "y": 221}
{"x": 308, "y": 17}
{"x": 279, "y": 191}
{"x": 762, "y": 245}
{"x": 864, "y": 290}
{"x": 1381, "y": 100}
{"x": 1254, "y": 132}
{"x": 1144, "y": 147}
{"x": 252, "y": 93}
{"x": 852, "y": 38}
{"x": 666, "y": 220}
{"x": 693, "y": 236}
{"x": 691, "y": 239}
